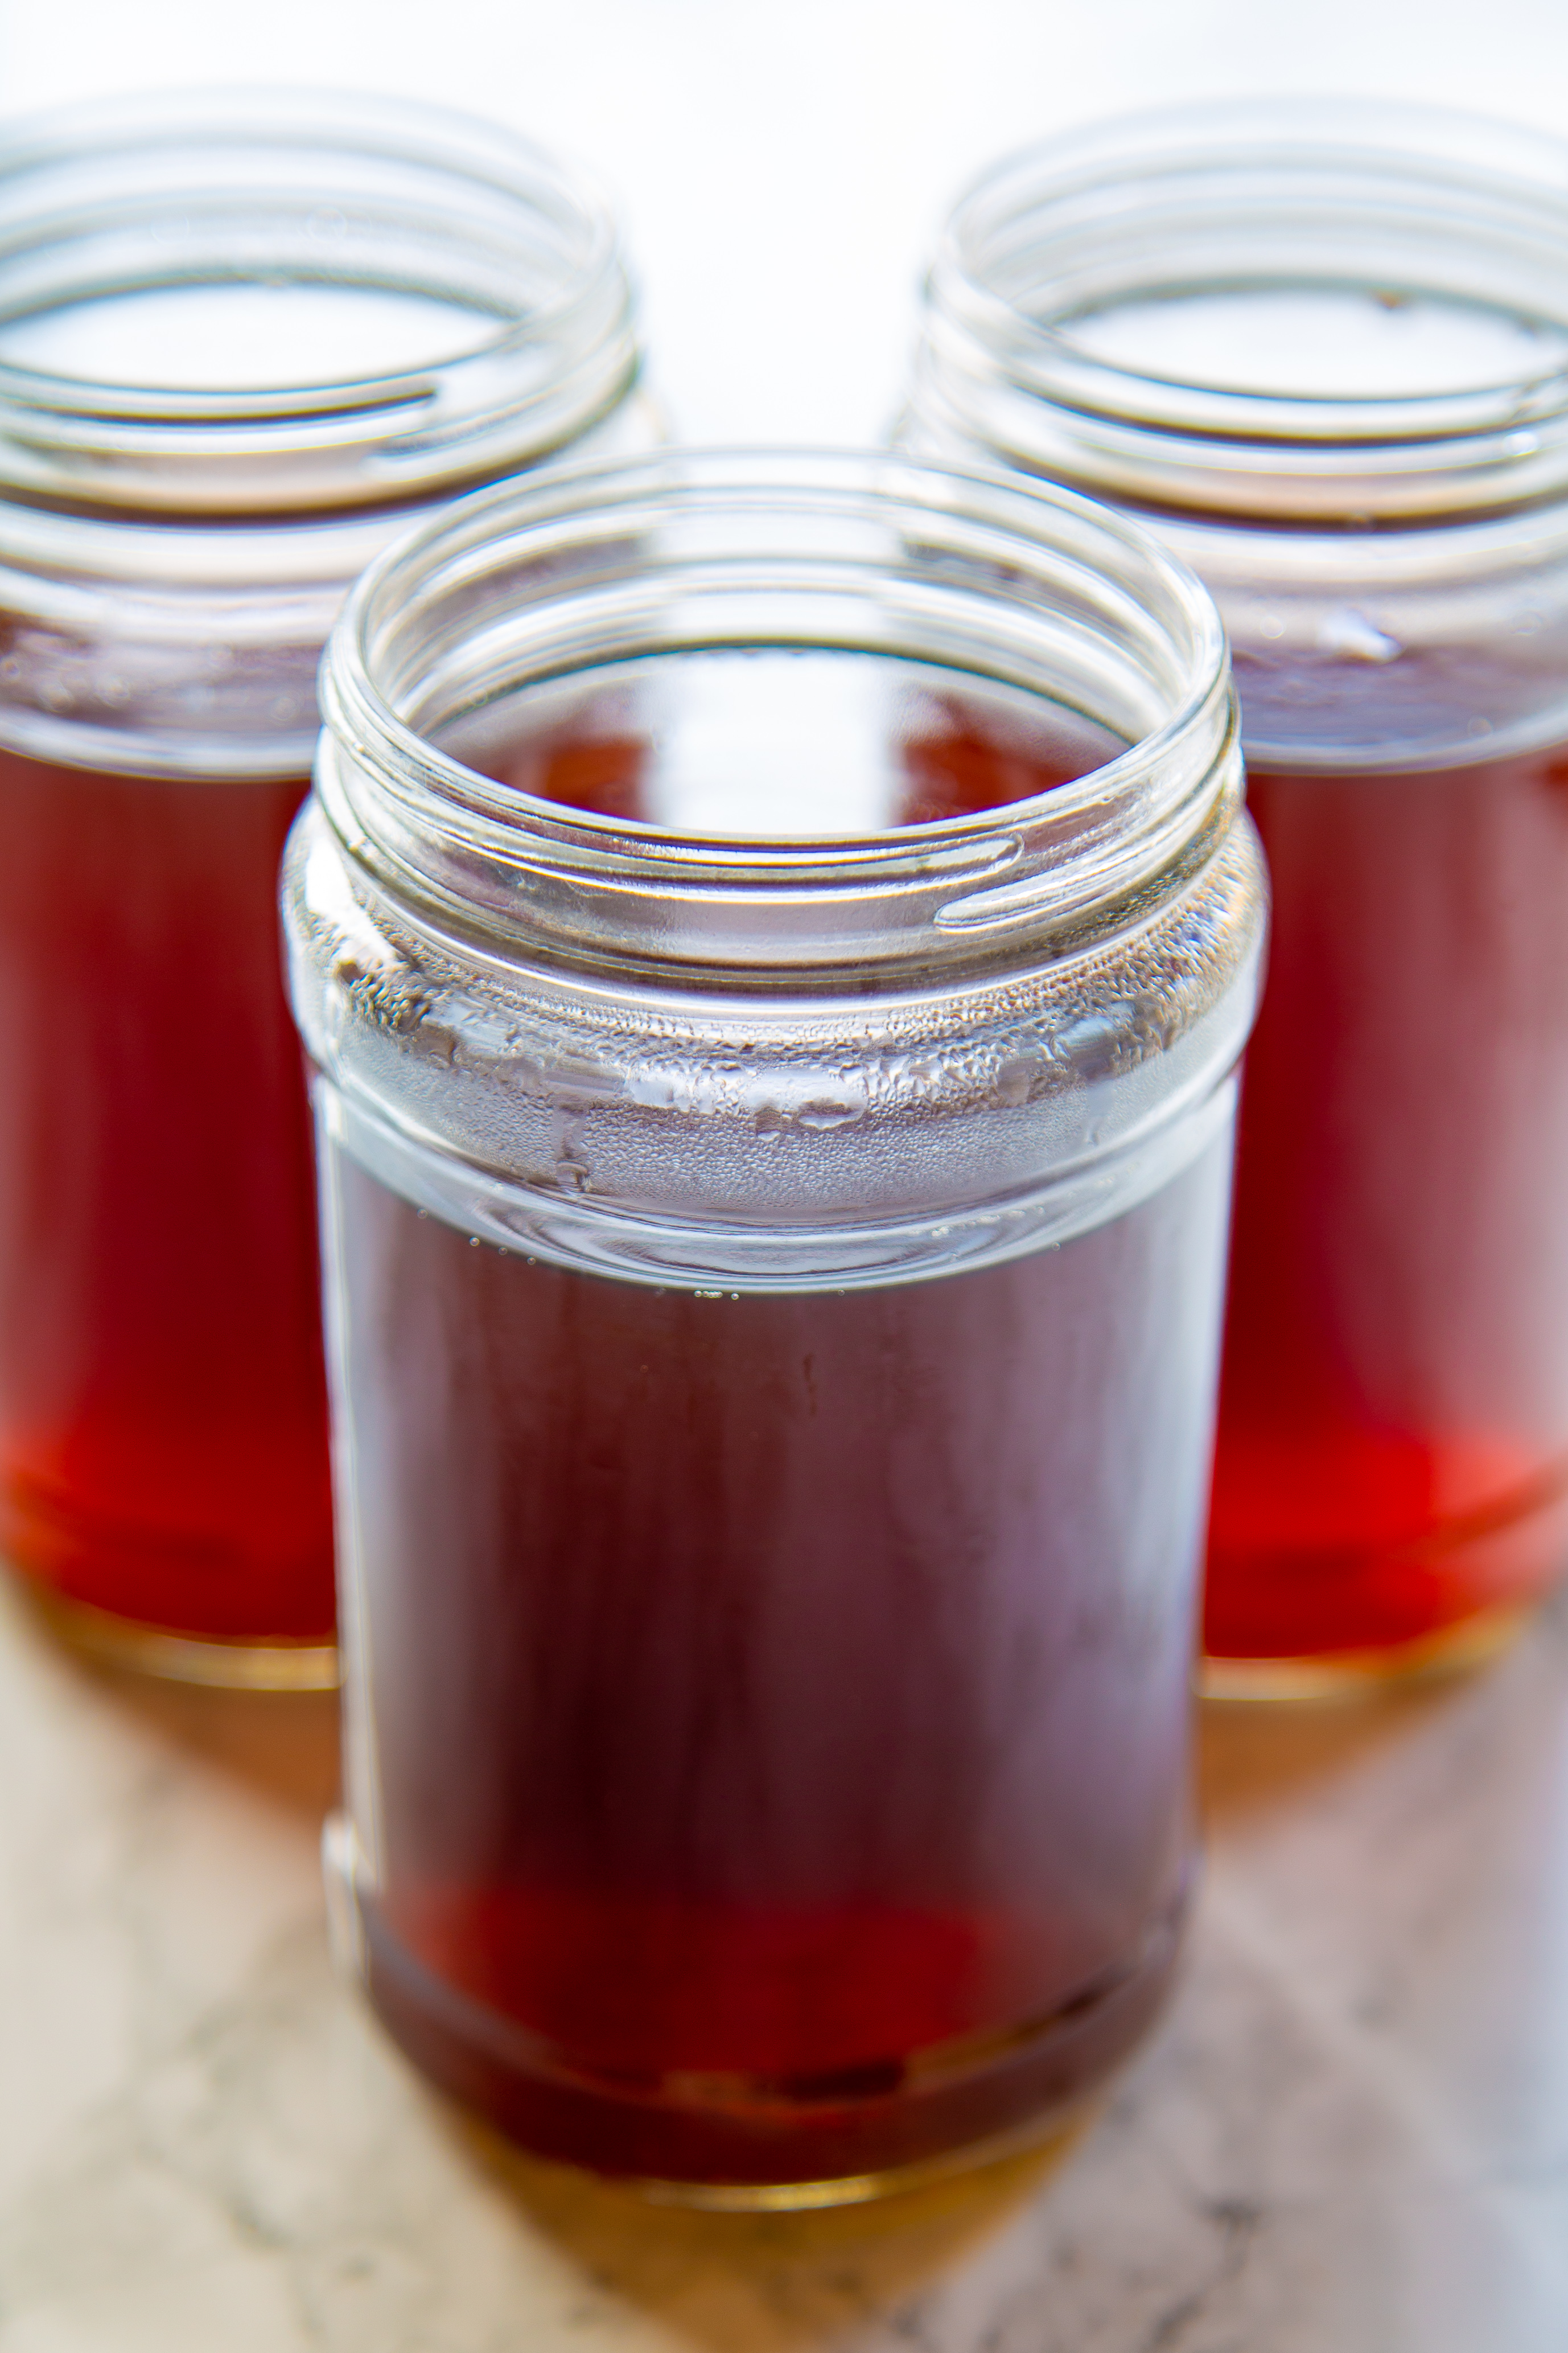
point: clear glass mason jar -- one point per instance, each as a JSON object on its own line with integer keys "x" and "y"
{"x": 776, "y": 935}
{"x": 243, "y": 340}
{"x": 1322, "y": 350}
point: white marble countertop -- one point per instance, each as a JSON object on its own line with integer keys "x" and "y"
{"x": 1349, "y": 2136}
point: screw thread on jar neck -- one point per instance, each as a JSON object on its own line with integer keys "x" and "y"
{"x": 1422, "y": 251}
{"x": 531, "y": 585}
{"x": 480, "y": 316}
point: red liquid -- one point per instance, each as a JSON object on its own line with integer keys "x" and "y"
{"x": 163, "y": 1448}
{"x": 779, "y": 1702}
{"x": 1393, "y": 1436}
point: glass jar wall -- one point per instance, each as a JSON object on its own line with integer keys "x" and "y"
{"x": 242, "y": 340}
{"x": 776, "y": 937}
{"x": 1322, "y": 349}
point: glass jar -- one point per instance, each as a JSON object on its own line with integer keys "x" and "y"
{"x": 1322, "y": 350}
{"x": 777, "y": 936}
{"x": 243, "y": 340}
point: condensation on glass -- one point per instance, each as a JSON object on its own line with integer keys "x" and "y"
{"x": 776, "y": 938}
{"x": 1322, "y": 349}
{"x": 242, "y": 340}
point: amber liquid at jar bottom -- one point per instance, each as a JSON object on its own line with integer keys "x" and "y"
{"x": 1393, "y": 1433}
{"x": 778, "y": 1701}
{"x": 163, "y": 1448}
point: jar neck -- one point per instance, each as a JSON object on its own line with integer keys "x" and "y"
{"x": 245, "y": 339}
{"x": 389, "y": 304}
{"x": 585, "y": 571}
{"x": 1425, "y": 247}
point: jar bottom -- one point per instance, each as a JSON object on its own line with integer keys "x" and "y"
{"x": 1044, "y": 2137}
{"x": 1287, "y": 1621}
{"x": 1363, "y": 1673}
{"x": 221, "y": 1663}
{"x": 742, "y": 2144}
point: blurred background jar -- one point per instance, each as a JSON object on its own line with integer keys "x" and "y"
{"x": 1322, "y": 349}
{"x": 777, "y": 936}
{"x": 243, "y": 338}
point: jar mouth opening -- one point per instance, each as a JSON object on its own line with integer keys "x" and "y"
{"x": 368, "y": 299}
{"x": 519, "y": 594}
{"x": 1201, "y": 276}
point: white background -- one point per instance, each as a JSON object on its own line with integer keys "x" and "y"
{"x": 781, "y": 169}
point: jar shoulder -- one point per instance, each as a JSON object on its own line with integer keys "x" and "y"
{"x": 1062, "y": 1090}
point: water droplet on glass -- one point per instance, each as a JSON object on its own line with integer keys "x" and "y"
{"x": 571, "y": 1171}
{"x": 1093, "y": 1043}
{"x": 1350, "y": 634}
{"x": 1016, "y": 1079}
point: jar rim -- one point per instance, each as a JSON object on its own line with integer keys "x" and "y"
{"x": 246, "y": 186}
{"x": 1247, "y": 195}
{"x": 526, "y": 583}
